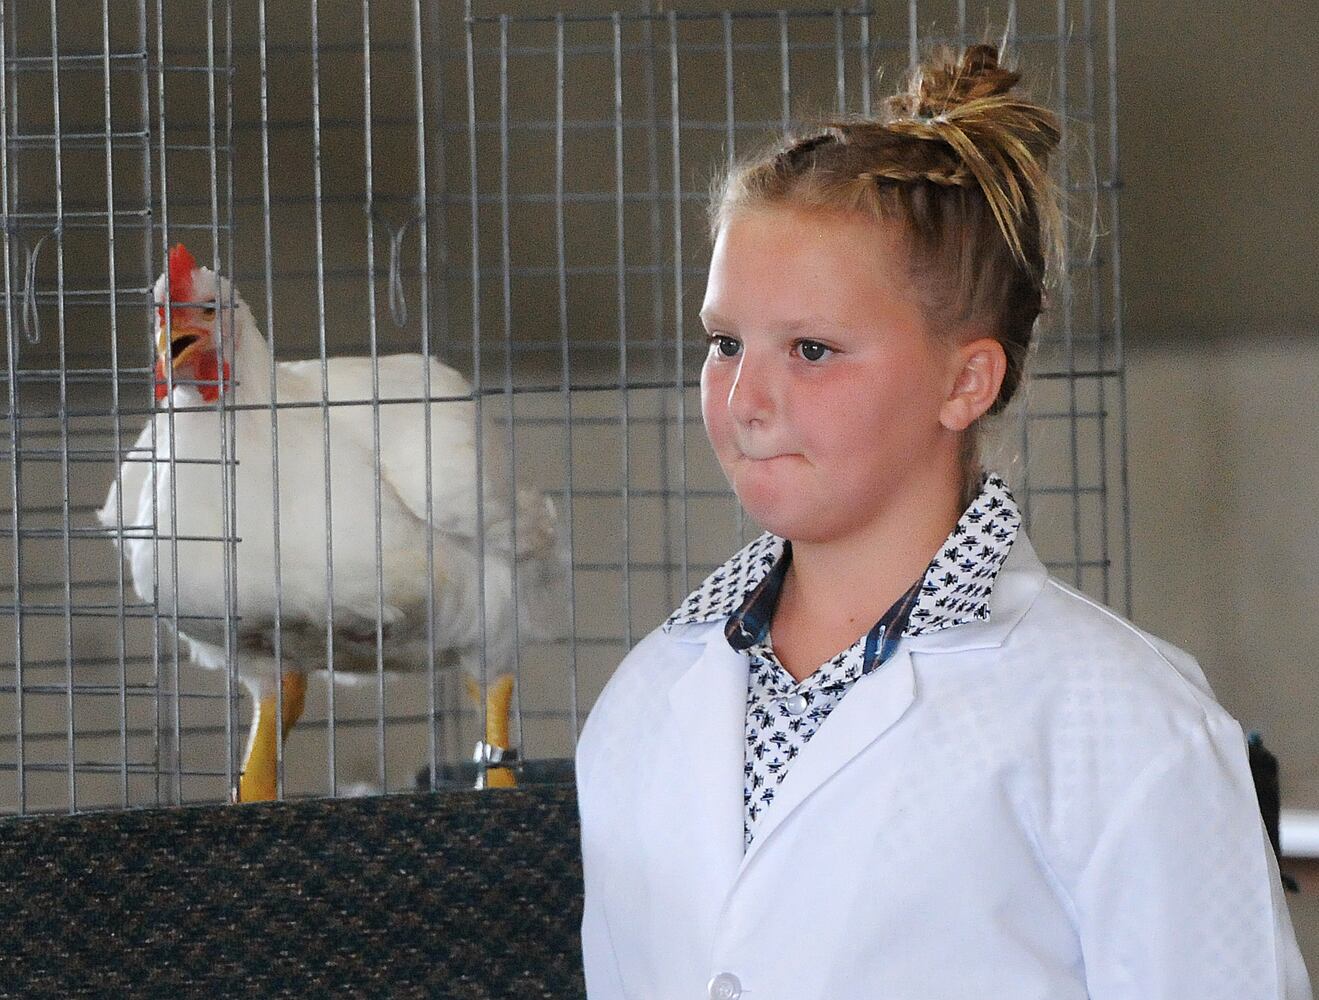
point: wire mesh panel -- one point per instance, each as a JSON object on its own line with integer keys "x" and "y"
{"x": 591, "y": 141}
{"x": 76, "y": 160}
{"x": 518, "y": 194}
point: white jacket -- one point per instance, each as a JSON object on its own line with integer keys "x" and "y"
{"x": 1048, "y": 805}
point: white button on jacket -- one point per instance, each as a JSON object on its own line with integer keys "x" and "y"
{"x": 724, "y": 986}
{"x": 1049, "y": 805}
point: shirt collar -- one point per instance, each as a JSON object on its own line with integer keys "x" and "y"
{"x": 955, "y": 588}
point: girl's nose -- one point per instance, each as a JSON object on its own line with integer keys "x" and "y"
{"x": 750, "y": 397}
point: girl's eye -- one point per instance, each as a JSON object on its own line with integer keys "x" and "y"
{"x": 727, "y": 347}
{"x": 812, "y": 350}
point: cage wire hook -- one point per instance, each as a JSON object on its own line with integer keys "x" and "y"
{"x": 398, "y": 304}
{"x": 31, "y": 317}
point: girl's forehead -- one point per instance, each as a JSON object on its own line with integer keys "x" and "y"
{"x": 810, "y": 261}
{"x": 789, "y": 240}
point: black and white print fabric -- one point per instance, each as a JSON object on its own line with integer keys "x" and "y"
{"x": 955, "y": 589}
{"x": 726, "y": 588}
{"x": 782, "y": 714}
{"x": 960, "y": 577}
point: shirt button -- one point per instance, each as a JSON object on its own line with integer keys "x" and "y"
{"x": 725, "y": 986}
{"x": 795, "y": 704}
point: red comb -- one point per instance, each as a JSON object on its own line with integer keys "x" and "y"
{"x": 181, "y": 266}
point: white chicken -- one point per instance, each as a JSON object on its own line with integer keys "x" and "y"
{"x": 211, "y": 348}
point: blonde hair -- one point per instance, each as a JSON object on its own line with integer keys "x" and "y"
{"x": 960, "y": 164}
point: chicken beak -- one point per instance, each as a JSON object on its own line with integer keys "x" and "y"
{"x": 184, "y": 341}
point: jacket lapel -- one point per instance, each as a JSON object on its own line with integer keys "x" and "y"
{"x": 875, "y": 703}
{"x": 709, "y": 705}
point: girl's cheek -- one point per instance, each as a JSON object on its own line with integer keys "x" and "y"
{"x": 714, "y": 396}
{"x": 711, "y": 416}
{"x": 707, "y": 394}
{"x": 710, "y": 387}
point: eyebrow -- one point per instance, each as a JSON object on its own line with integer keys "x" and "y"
{"x": 805, "y": 322}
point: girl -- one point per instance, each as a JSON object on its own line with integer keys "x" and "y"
{"x": 880, "y": 753}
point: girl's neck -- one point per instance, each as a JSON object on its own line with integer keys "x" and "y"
{"x": 836, "y": 589}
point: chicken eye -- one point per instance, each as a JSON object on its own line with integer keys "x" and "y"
{"x": 727, "y": 347}
{"x": 812, "y": 350}
{"x": 208, "y": 310}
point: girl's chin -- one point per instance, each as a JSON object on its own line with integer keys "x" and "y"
{"x": 786, "y": 515}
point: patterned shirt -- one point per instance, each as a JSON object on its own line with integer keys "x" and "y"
{"x": 783, "y": 714}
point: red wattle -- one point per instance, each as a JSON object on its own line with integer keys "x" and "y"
{"x": 210, "y": 384}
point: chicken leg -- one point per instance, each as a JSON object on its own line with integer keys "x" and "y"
{"x": 257, "y": 783}
{"x": 497, "y": 702}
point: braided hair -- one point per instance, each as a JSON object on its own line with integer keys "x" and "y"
{"x": 960, "y": 163}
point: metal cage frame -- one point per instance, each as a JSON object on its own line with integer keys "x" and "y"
{"x": 473, "y": 230}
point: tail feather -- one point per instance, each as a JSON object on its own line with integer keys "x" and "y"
{"x": 543, "y": 560}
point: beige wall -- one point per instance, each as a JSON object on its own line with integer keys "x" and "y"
{"x": 1219, "y": 154}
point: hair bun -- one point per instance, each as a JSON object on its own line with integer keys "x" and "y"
{"x": 944, "y": 82}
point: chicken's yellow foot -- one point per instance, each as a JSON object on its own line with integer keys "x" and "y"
{"x": 497, "y": 703}
{"x": 257, "y": 783}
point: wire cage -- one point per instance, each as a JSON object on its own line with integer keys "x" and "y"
{"x": 518, "y": 195}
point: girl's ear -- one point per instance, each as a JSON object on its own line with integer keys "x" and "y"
{"x": 978, "y": 367}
